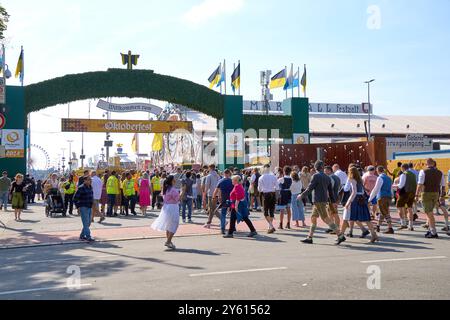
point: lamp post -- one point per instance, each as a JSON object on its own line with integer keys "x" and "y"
{"x": 369, "y": 131}
{"x": 70, "y": 155}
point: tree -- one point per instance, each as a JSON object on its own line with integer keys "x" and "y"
{"x": 4, "y": 18}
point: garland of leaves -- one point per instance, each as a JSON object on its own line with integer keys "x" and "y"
{"x": 123, "y": 83}
{"x": 282, "y": 123}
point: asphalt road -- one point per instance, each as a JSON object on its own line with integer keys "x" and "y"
{"x": 278, "y": 266}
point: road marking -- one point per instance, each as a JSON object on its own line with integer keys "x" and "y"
{"x": 44, "y": 289}
{"x": 405, "y": 259}
{"x": 235, "y": 271}
{"x": 58, "y": 260}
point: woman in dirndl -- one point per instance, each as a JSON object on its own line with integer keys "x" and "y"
{"x": 17, "y": 192}
{"x": 357, "y": 208}
{"x": 169, "y": 218}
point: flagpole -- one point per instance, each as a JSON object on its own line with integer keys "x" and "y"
{"x": 225, "y": 75}
{"x": 305, "y": 81}
{"x": 292, "y": 72}
{"x": 239, "y": 89}
{"x": 298, "y": 76}
{"x": 234, "y": 69}
{"x": 23, "y": 66}
{"x": 285, "y": 73}
{"x": 220, "y": 67}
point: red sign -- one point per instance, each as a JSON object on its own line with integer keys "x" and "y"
{"x": 2, "y": 121}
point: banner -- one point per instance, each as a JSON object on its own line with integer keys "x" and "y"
{"x": 130, "y": 107}
{"x": 335, "y": 108}
{"x": 301, "y": 138}
{"x": 124, "y": 126}
{"x": 14, "y": 142}
{"x": 234, "y": 145}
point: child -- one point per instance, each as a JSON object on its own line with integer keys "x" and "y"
{"x": 169, "y": 218}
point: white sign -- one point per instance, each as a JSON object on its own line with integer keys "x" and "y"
{"x": 2, "y": 91}
{"x": 276, "y": 107}
{"x": 130, "y": 107}
{"x": 13, "y": 139}
{"x": 14, "y": 142}
{"x": 412, "y": 143}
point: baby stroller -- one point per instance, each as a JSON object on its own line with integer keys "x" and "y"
{"x": 54, "y": 203}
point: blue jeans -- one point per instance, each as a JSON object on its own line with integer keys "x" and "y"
{"x": 111, "y": 203}
{"x": 86, "y": 216}
{"x": 223, "y": 218}
{"x": 4, "y": 199}
{"x": 188, "y": 203}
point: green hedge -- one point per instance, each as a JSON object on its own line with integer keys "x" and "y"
{"x": 283, "y": 123}
{"x": 123, "y": 83}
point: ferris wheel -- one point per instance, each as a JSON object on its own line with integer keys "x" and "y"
{"x": 39, "y": 159}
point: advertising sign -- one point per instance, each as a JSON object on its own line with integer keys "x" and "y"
{"x": 334, "y": 108}
{"x": 124, "y": 126}
{"x": 14, "y": 142}
{"x": 412, "y": 143}
{"x": 130, "y": 107}
{"x": 301, "y": 138}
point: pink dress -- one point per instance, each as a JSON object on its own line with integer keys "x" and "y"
{"x": 169, "y": 218}
{"x": 144, "y": 193}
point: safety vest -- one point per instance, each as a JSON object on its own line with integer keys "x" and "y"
{"x": 128, "y": 188}
{"x": 112, "y": 185}
{"x": 156, "y": 183}
{"x": 71, "y": 189}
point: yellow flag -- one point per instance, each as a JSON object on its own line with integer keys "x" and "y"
{"x": 157, "y": 143}
{"x": 134, "y": 146}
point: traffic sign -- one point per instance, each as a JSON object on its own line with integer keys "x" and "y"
{"x": 2, "y": 121}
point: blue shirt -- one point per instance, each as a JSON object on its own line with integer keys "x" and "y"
{"x": 226, "y": 186}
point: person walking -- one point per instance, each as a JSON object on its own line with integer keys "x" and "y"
{"x": 223, "y": 191}
{"x": 332, "y": 207}
{"x": 113, "y": 191}
{"x": 297, "y": 208}
{"x": 39, "y": 190}
{"x": 104, "y": 196}
{"x": 156, "y": 182}
{"x": 268, "y": 185}
{"x": 370, "y": 180}
{"x": 305, "y": 178}
{"x": 383, "y": 193}
{"x": 5, "y": 185}
{"x": 431, "y": 183}
{"x": 239, "y": 209}
{"x": 145, "y": 189}
{"x": 285, "y": 184}
{"x": 254, "y": 193}
{"x": 186, "y": 196}
{"x": 69, "y": 191}
{"x": 17, "y": 192}
{"x": 84, "y": 200}
{"x": 129, "y": 194}
{"x": 357, "y": 207}
{"x": 406, "y": 187}
{"x": 169, "y": 218}
{"x": 97, "y": 188}
{"x": 210, "y": 185}
{"x": 323, "y": 193}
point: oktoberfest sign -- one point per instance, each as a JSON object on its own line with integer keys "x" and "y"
{"x": 130, "y": 107}
{"x": 124, "y": 126}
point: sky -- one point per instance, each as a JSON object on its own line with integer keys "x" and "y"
{"x": 404, "y": 45}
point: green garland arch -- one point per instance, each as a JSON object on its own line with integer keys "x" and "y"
{"x": 123, "y": 83}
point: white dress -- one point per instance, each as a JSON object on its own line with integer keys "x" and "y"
{"x": 169, "y": 218}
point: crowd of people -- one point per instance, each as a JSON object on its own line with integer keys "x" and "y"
{"x": 364, "y": 194}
